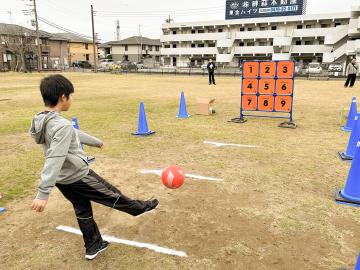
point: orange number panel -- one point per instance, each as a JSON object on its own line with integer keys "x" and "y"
{"x": 266, "y": 103}
{"x": 249, "y": 103}
{"x": 283, "y": 104}
{"x": 250, "y": 86}
{"x": 267, "y": 69}
{"x": 250, "y": 69}
{"x": 267, "y": 86}
{"x": 285, "y": 69}
{"x": 284, "y": 86}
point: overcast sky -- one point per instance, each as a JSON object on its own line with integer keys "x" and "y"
{"x": 75, "y": 14}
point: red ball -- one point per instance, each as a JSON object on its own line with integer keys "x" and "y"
{"x": 173, "y": 177}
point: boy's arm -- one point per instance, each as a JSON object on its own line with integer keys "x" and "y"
{"x": 55, "y": 157}
{"x": 88, "y": 139}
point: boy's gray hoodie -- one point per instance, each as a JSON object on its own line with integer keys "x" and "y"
{"x": 65, "y": 161}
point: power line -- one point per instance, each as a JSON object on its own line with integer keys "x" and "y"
{"x": 59, "y": 27}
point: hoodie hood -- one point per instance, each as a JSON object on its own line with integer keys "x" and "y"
{"x": 38, "y": 124}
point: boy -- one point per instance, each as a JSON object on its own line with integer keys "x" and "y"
{"x": 351, "y": 71}
{"x": 66, "y": 166}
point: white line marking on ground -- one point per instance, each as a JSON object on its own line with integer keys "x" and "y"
{"x": 113, "y": 239}
{"x": 193, "y": 176}
{"x": 219, "y": 144}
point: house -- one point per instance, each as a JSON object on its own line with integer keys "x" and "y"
{"x": 19, "y": 50}
{"x": 59, "y": 53}
{"x": 137, "y": 49}
{"x": 79, "y": 48}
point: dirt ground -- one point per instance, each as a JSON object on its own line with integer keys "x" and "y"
{"x": 274, "y": 209}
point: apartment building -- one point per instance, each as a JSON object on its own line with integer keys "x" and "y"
{"x": 323, "y": 38}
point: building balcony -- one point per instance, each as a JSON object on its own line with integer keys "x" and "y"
{"x": 225, "y": 43}
{"x": 254, "y": 50}
{"x": 314, "y": 32}
{"x": 45, "y": 48}
{"x": 189, "y": 51}
{"x": 282, "y": 41}
{"x": 259, "y": 34}
{"x": 193, "y": 37}
{"x": 310, "y": 49}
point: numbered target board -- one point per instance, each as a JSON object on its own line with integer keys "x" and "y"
{"x": 267, "y": 86}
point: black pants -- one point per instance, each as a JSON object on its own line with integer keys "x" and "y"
{"x": 94, "y": 188}
{"x": 350, "y": 79}
{"x": 211, "y": 78}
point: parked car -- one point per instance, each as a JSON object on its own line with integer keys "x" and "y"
{"x": 126, "y": 65}
{"x": 204, "y": 66}
{"x": 335, "y": 67}
{"x": 105, "y": 63}
{"x": 314, "y": 68}
{"x": 81, "y": 64}
{"x": 139, "y": 65}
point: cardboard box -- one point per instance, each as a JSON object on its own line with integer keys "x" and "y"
{"x": 343, "y": 116}
{"x": 205, "y": 106}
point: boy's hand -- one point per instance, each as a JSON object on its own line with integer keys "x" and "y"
{"x": 38, "y": 205}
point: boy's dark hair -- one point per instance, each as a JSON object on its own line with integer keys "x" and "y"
{"x": 53, "y": 87}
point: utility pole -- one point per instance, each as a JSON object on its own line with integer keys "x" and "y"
{"x": 10, "y": 16}
{"x": 94, "y": 42}
{"x": 141, "y": 49}
{"x": 117, "y": 30}
{"x": 37, "y": 38}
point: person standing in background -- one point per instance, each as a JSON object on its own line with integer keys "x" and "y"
{"x": 351, "y": 71}
{"x": 211, "y": 69}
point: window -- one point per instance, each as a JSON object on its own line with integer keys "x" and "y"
{"x": 324, "y": 25}
{"x": 298, "y": 42}
{"x": 308, "y": 42}
{"x": 174, "y": 45}
{"x": 262, "y": 43}
{"x": 193, "y": 31}
{"x": 299, "y": 26}
{"x": 211, "y": 44}
{"x": 249, "y": 29}
{"x": 157, "y": 48}
{"x": 86, "y": 46}
{"x": 337, "y": 23}
{"x": 201, "y": 31}
{"x": 308, "y": 26}
{"x": 201, "y": 45}
{"x": 126, "y": 48}
{"x": 144, "y": 47}
{"x": 321, "y": 42}
{"x": 274, "y": 27}
{"x": 271, "y": 43}
{"x": 174, "y": 32}
{"x": 263, "y": 28}
{"x": 241, "y": 44}
{"x": 250, "y": 44}
{"x": 157, "y": 58}
{"x": 87, "y": 57}
{"x": 220, "y": 30}
{"x": 242, "y": 29}
{"x": 166, "y": 46}
{"x": 150, "y": 48}
{"x": 193, "y": 45}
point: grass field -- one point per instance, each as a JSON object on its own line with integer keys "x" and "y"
{"x": 274, "y": 210}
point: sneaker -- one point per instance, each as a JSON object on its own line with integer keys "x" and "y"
{"x": 90, "y": 255}
{"x": 151, "y": 205}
